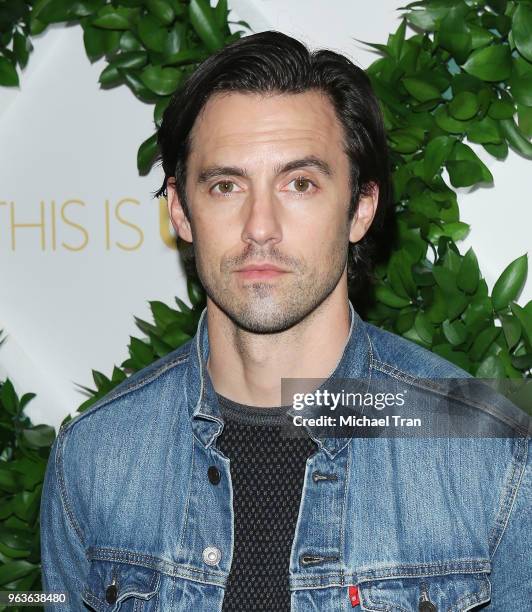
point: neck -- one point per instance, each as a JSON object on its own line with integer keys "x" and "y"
{"x": 248, "y": 368}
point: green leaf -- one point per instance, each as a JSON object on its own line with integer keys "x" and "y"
{"x": 14, "y": 570}
{"x": 22, "y": 47}
{"x": 94, "y": 40}
{"x": 196, "y": 293}
{"x": 492, "y": 63}
{"x": 464, "y": 105}
{"x": 8, "y": 398}
{"x": 152, "y": 33}
{"x": 491, "y": 367}
{"x": 469, "y": 274}
{"x": 133, "y": 81}
{"x": 141, "y": 352}
{"x": 406, "y": 140}
{"x": 457, "y": 357}
{"x": 437, "y": 310}
{"x": 162, "y": 81}
{"x": 484, "y": 131}
{"x": 163, "y": 315}
{"x": 423, "y": 327}
{"x": 464, "y": 173}
{"x": 8, "y": 73}
{"x": 159, "y": 109}
{"x": 85, "y": 8}
{"x": 455, "y": 332}
{"x": 521, "y": 87}
{"x": 501, "y": 109}
{"x": 522, "y": 29}
{"x": 421, "y": 90}
{"x": 99, "y": 41}
{"x": 499, "y": 151}
{"x": 39, "y": 436}
{"x": 511, "y": 328}
{"x": 480, "y": 37}
{"x": 146, "y": 154}
{"x": 524, "y": 114}
{"x": 129, "y": 42}
{"x": 386, "y": 295}
{"x": 445, "y": 278}
{"x": 131, "y": 59}
{"x": 203, "y": 21}
{"x": 483, "y": 340}
{"x": 53, "y": 11}
{"x": 454, "y": 34}
{"x": 462, "y": 152}
{"x": 175, "y": 336}
{"x": 447, "y": 123}
{"x": 112, "y": 19}
{"x": 162, "y": 10}
{"x": 515, "y": 138}
{"x": 456, "y": 304}
{"x": 525, "y": 318}
{"x": 110, "y": 77}
{"x": 510, "y": 283}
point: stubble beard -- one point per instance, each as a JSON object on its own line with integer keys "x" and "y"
{"x": 270, "y": 307}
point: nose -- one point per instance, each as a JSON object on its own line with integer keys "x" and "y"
{"x": 262, "y": 218}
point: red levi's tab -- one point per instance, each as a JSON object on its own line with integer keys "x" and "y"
{"x": 353, "y": 596}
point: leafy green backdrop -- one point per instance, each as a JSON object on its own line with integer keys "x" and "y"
{"x": 465, "y": 76}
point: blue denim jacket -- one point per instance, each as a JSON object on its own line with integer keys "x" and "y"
{"x": 131, "y": 522}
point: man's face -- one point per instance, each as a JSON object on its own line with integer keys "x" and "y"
{"x": 268, "y": 184}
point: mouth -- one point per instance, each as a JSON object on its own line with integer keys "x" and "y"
{"x": 260, "y": 271}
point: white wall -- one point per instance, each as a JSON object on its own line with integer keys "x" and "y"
{"x": 63, "y": 139}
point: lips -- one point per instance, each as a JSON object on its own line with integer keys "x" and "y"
{"x": 260, "y": 271}
{"x": 260, "y": 267}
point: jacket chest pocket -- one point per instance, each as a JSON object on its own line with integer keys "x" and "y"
{"x": 112, "y": 586}
{"x": 442, "y": 593}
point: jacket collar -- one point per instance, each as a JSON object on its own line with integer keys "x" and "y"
{"x": 204, "y": 411}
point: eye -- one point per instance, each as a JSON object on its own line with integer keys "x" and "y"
{"x": 224, "y": 188}
{"x": 302, "y": 185}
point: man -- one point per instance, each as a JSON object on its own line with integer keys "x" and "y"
{"x": 180, "y": 490}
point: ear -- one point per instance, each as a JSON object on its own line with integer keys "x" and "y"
{"x": 363, "y": 217}
{"x": 176, "y": 213}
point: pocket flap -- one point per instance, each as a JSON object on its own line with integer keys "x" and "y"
{"x": 110, "y": 582}
{"x": 452, "y": 593}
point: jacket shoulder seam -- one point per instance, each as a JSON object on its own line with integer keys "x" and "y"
{"x": 60, "y": 473}
{"x": 111, "y": 396}
{"x": 434, "y": 387}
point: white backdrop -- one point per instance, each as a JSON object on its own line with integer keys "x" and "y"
{"x": 82, "y": 246}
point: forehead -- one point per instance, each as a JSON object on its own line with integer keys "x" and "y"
{"x": 233, "y": 127}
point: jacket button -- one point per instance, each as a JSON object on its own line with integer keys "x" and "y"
{"x": 110, "y": 594}
{"x": 212, "y": 555}
{"x": 427, "y": 606}
{"x": 214, "y": 475}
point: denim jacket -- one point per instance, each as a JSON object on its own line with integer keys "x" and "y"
{"x": 130, "y": 520}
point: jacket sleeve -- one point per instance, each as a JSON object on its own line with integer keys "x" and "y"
{"x": 511, "y": 576}
{"x": 63, "y": 561}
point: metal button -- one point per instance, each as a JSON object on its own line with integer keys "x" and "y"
{"x": 427, "y": 606}
{"x": 111, "y": 593}
{"x": 212, "y": 555}
{"x": 214, "y": 475}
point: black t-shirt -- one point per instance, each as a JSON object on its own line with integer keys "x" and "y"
{"x": 267, "y": 473}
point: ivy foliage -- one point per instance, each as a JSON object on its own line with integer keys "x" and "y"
{"x": 25, "y": 449}
{"x": 461, "y": 83}
{"x": 149, "y": 46}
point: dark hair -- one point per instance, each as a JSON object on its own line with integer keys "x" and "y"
{"x": 271, "y": 62}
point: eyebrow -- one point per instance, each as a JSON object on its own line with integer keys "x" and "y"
{"x": 305, "y": 162}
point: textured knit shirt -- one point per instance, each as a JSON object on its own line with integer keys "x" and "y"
{"x": 267, "y": 473}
